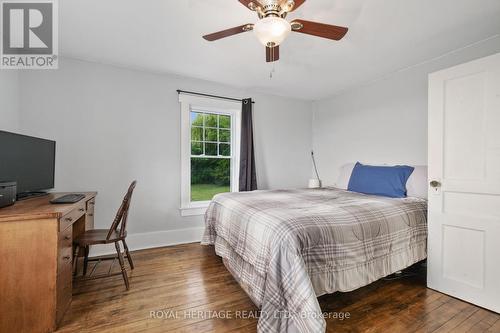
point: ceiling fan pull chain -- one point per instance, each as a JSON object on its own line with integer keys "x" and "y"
{"x": 272, "y": 70}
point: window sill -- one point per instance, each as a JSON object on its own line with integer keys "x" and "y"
{"x": 195, "y": 209}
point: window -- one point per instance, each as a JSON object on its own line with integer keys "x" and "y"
{"x": 210, "y": 155}
{"x": 210, "y": 151}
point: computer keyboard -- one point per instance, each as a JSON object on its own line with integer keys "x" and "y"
{"x": 68, "y": 198}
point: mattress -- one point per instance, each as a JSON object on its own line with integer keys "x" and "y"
{"x": 287, "y": 247}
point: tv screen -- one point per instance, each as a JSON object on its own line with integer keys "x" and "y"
{"x": 27, "y": 160}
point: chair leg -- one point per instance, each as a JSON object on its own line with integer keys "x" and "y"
{"x": 122, "y": 264}
{"x": 127, "y": 252}
{"x": 86, "y": 260}
{"x": 75, "y": 260}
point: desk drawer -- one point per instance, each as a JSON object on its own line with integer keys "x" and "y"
{"x": 72, "y": 216}
{"x": 65, "y": 249}
{"x": 89, "y": 219}
{"x": 64, "y": 272}
{"x": 91, "y": 204}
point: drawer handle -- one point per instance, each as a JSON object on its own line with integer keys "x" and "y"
{"x": 66, "y": 257}
{"x": 91, "y": 215}
{"x": 69, "y": 219}
{"x": 67, "y": 237}
{"x": 92, "y": 203}
{"x": 81, "y": 209}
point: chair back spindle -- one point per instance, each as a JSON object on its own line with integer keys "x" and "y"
{"x": 120, "y": 220}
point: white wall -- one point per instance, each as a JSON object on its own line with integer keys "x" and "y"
{"x": 9, "y": 100}
{"x": 113, "y": 125}
{"x": 382, "y": 122}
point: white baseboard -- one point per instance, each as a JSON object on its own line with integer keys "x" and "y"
{"x": 149, "y": 240}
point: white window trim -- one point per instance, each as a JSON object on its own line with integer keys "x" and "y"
{"x": 188, "y": 103}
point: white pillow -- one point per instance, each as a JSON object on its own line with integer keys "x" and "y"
{"x": 345, "y": 175}
{"x": 416, "y": 186}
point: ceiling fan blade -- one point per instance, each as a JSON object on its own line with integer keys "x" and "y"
{"x": 272, "y": 53}
{"x": 228, "y": 32}
{"x": 319, "y": 29}
{"x": 251, "y": 4}
{"x": 298, "y": 3}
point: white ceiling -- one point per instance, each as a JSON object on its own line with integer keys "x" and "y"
{"x": 165, "y": 36}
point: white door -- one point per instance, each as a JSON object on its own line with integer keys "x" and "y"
{"x": 464, "y": 182}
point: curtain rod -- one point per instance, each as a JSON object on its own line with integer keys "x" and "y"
{"x": 208, "y": 95}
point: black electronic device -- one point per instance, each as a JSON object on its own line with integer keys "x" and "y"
{"x": 68, "y": 198}
{"x": 29, "y": 161}
{"x": 8, "y": 193}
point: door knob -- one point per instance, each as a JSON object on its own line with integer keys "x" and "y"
{"x": 435, "y": 183}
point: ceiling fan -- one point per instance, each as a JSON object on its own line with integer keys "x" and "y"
{"x": 272, "y": 28}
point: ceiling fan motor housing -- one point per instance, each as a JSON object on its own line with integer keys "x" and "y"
{"x": 272, "y": 9}
{"x": 269, "y": 8}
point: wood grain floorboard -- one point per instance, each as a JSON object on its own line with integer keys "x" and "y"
{"x": 190, "y": 284}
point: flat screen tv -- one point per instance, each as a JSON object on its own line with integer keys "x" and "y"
{"x": 27, "y": 160}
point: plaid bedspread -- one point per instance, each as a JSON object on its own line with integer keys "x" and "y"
{"x": 287, "y": 247}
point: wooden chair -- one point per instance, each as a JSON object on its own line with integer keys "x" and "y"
{"x": 116, "y": 234}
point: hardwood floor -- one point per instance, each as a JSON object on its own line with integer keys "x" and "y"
{"x": 185, "y": 288}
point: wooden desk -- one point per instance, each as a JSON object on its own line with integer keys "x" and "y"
{"x": 36, "y": 256}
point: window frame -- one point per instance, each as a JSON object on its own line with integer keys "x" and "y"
{"x": 190, "y": 103}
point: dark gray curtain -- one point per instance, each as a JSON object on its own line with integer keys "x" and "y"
{"x": 248, "y": 177}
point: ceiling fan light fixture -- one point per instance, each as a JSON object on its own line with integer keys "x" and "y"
{"x": 271, "y": 31}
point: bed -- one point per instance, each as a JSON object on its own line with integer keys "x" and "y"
{"x": 287, "y": 247}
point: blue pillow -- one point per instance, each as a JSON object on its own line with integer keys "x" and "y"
{"x": 387, "y": 181}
